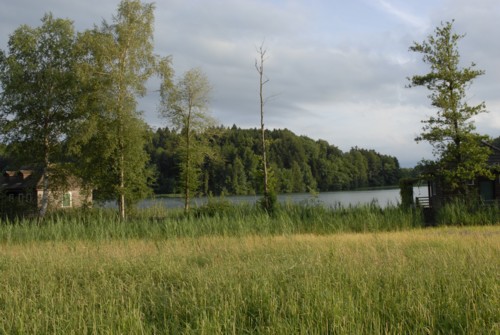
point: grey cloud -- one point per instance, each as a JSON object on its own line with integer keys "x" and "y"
{"x": 337, "y": 69}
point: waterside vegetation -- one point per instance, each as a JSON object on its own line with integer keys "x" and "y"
{"x": 296, "y": 163}
{"x": 219, "y": 217}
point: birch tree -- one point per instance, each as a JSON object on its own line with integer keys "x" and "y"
{"x": 39, "y": 90}
{"x": 185, "y": 105}
{"x": 119, "y": 60}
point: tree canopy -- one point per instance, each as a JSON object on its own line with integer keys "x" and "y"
{"x": 300, "y": 163}
{"x": 460, "y": 156}
{"x": 185, "y": 105}
{"x": 118, "y": 60}
{"x": 38, "y": 97}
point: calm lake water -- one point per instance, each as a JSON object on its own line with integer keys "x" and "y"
{"x": 383, "y": 197}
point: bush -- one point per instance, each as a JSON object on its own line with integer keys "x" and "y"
{"x": 214, "y": 206}
{"x": 269, "y": 202}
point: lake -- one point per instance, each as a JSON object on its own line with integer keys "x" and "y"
{"x": 383, "y": 197}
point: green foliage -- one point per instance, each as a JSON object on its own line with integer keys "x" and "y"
{"x": 463, "y": 212}
{"x": 406, "y": 191}
{"x": 219, "y": 217}
{"x": 39, "y": 90}
{"x": 185, "y": 105}
{"x": 219, "y": 207}
{"x": 496, "y": 142}
{"x": 460, "y": 155}
{"x": 12, "y": 209}
{"x": 296, "y": 163}
{"x": 269, "y": 202}
{"x": 216, "y": 218}
{"x": 118, "y": 60}
{"x": 38, "y": 95}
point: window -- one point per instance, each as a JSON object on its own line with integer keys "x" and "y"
{"x": 66, "y": 200}
{"x": 487, "y": 190}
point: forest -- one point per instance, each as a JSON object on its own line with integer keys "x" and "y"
{"x": 298, "y": 163}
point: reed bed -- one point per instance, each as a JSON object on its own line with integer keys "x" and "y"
{"x": 218, "y": 218}
{"x": 432, "y": 281}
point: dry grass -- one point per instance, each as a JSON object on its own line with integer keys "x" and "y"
{"x": 423, "y": 281}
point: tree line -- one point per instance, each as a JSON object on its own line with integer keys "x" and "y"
{"x": 296, "y": 163}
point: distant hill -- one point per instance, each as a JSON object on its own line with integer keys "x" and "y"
{"x": 298, "y": 163}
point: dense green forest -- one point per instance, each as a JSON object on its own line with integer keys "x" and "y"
{"x": 298, "y": 163}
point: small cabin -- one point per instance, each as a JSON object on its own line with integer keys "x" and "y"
{"x": 23, "y": 189}
{"x": 488, "y": 190}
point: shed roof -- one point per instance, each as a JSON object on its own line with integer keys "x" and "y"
{"x": 494, "y": 158}
{"x": 19, "y": 180}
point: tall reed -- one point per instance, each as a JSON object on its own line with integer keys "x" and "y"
{"x": 213, "y": 219}
{"x": 220, "y": 218}
{"x": 466, "y": 213}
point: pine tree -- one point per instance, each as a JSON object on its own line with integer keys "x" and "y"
{"x": 451, "y": 132}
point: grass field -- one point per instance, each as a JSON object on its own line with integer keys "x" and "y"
{"x": 420, "y": 281}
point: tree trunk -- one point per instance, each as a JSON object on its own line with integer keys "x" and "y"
{"x": 45, "y": 195}
{"x": 188, "y": 163}
{"x": 264, "y": 156}
{"x": 45, "y": 188}
{"x": 260, "y": 70}
{"x": 121, "y": 201}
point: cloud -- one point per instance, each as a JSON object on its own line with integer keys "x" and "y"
{"x": 404, "y": 16}
{"x": 337, "y": 69}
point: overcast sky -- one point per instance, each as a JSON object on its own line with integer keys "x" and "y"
{"x": 337, "y": 69}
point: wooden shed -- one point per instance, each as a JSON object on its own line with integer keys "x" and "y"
{"x": 24, "y": 189}
{"x": 487, "y": 190}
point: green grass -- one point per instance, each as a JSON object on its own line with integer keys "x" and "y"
{"x": 225, "y": 269}
{"x": 436, "y": 281}
{"x": 462, "y": 213}
{"x": 214, "y": 219}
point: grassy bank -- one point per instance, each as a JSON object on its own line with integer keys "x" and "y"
{"x": 420, "y": 282}
{"x": 221, "y": 218}
{"x": 215, "y": 219}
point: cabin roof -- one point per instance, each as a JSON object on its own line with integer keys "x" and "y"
{"x": 494, "y": 158}
{"x": 19, "y": 180}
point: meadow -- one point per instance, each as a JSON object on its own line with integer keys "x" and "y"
{"x": 302, "y": 272}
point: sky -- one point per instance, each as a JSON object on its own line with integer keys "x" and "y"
{"x": 337, "y": 69}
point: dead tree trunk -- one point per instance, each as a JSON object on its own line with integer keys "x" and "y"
{"x": 259, "y": 65}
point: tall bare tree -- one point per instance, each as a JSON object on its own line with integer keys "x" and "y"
{"x": 259, "y": 66}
